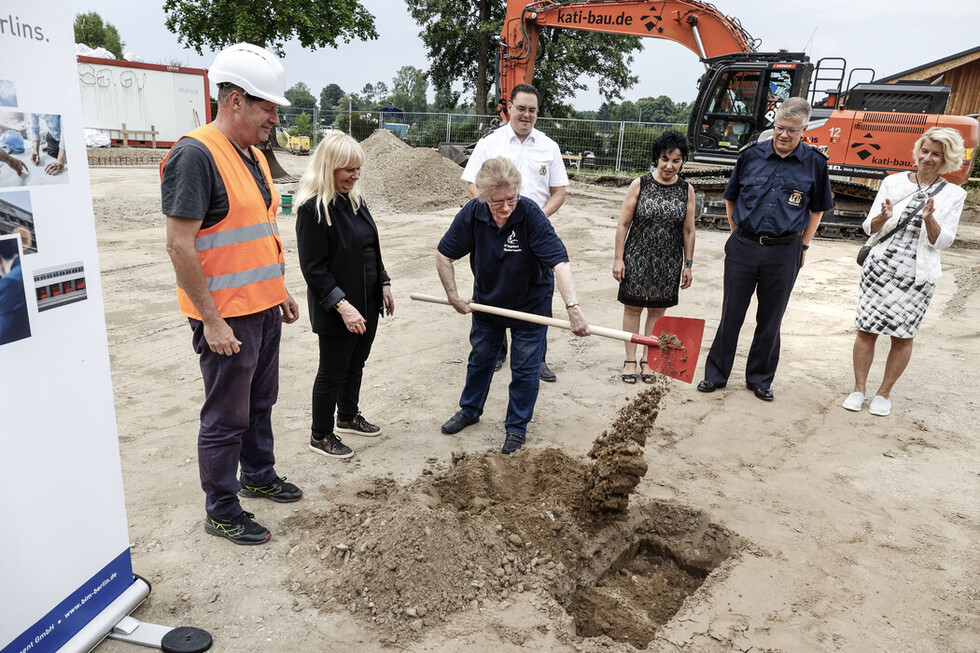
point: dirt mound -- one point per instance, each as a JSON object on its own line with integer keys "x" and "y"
{"x": 618, "y": 452}
{"x": 398, "y": 177}
{"x": 492, "y": 525}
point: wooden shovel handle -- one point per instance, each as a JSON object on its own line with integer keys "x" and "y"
{"x": 605, "y": 332}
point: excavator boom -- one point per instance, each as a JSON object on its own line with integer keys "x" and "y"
{"x": 698, "y": 26}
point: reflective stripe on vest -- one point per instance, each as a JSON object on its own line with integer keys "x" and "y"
{"x": 242, "y": 255}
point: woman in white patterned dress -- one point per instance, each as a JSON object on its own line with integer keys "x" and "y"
{"x": 899, "y": 276}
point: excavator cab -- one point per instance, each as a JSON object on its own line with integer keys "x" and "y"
{"x": 737, "y": 100}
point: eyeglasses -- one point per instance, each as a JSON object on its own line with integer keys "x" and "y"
{"x": 788, "y": 130}
{"x": 510, "y": 202}
{"x": 528, "y": 110}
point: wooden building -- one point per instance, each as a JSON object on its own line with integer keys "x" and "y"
{"x": 961, "y": 71}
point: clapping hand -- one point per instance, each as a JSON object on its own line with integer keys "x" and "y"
{"x": 887, "y": 210}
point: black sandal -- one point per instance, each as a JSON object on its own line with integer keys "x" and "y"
{"x": 629, "y": 378}
{"x": 647, "y": 378}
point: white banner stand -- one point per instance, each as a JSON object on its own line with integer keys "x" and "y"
{"x": 66, "y": 578}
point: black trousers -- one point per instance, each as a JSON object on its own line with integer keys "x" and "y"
{"x": 51, "y": 146}
{"x": 769, "y": 272}
{"x": 337, "y": 386}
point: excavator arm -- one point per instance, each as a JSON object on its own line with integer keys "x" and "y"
{"x": 698, "y": 26}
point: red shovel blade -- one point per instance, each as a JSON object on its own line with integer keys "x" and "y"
{"x": 679, "y": 362}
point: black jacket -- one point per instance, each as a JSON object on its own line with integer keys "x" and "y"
{"x": 333, "y": 264}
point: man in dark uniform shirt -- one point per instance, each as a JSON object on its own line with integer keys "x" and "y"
{"x": 775, "y": 198}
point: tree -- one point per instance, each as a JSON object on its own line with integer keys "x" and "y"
{"x": 90, "y": 30}
{"x": 460, "y": 37}
{"x": 565, "y": 56}
{"x": 607, "y": 111}
{"x": 300, "y": 98}
{"x": 446, "y": 99}
{"x": 330, "y": 96}
{"x": 268, "y": 23}
{"x": 411, "y": 88}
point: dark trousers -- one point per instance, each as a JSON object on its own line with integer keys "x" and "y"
{"x": 527, "y": 347}
{"x": 338, "y": 378}
{"x": 770, "y": 272}
{"x": 236, "y": 419}
{"x": 503, "y": 349}
{"x": 51, "y": 146}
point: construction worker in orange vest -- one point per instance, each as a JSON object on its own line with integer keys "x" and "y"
{"x": 224, "y": 243}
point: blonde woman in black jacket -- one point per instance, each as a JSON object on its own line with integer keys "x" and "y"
{"x": 347, "y": 287}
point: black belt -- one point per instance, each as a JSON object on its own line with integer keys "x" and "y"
{"x": 763, "y": 239}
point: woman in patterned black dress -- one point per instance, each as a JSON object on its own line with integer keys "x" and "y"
{"x": 899, "y": 276}
{"x": 654, "y": 244}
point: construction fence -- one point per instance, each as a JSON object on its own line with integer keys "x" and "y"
{"x": 590, "y": 146}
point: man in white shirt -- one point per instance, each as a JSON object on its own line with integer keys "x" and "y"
{"x": 543, "y": 176}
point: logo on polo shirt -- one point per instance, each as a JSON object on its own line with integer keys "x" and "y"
{"x": 796, "y": 197}
{"x": 511, "y": 244}
{"x": 544, "y": 170}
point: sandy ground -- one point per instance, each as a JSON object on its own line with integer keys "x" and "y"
{"x": 863, "y": 533}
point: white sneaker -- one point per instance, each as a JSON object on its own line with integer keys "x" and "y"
{"x": 854, "y": 401}
{"x": 880, "y": 406}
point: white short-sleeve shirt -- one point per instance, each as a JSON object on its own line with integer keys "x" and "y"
{"x": 538, "y": 158}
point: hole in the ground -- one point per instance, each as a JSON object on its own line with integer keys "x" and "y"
{"x": 641, "y": 592}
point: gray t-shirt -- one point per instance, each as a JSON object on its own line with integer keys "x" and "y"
{"x": 192, "y": 188}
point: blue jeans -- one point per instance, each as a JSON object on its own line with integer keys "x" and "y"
{"x": 236, "y": 419}
{"x": 527, "y": 347}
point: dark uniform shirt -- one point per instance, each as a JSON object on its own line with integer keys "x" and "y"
{"x": 192, "y": 187}
{"x": 512, "y": 265}
{"x": 775, "y": 195}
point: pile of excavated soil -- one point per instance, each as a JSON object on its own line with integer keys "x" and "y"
{"x": 398, "y": 177}
{"x": 490, "y": 525}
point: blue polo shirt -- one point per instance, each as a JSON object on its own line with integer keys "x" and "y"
{"x": 512, "y": 265}
{"x": 775, "y": 195}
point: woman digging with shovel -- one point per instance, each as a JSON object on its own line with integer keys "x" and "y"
{"x": 516, "y": 258}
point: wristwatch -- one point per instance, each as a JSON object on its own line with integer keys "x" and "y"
{"x": 342, "y": 301}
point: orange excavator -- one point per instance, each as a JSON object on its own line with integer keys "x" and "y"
{"x": 866, "y": 130}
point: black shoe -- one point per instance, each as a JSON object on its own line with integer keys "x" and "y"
{"x": 547, "y": 374}
{"x": 331, "y": 447}
{"x": 240, "y": 530}
{"x": 513, "y": 442}
{"x": 358, "y": 426}
{"x": 278, "y": 490}
{"x": 500, "y": 363}
{"x": 458, "y": 422}
{"x": 765, "y": 394}
{"x": 709, "y": 386}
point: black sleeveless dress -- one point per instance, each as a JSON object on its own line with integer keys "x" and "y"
{"x": 654, "y": 250}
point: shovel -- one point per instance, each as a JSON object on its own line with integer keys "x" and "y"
{"x": 674, "y": 360}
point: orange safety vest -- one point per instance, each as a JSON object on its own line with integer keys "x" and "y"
{"x": 242, "y": 255}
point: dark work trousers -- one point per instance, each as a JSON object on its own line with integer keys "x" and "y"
{"x": 236, "y": 420}
{"x": 770, "y": 272}
{"x": 338, "y": 378}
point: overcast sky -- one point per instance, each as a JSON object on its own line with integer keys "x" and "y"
{"x": 889, "y": 37}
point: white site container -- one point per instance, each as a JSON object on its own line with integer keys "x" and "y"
{"x": 145, "y": 97}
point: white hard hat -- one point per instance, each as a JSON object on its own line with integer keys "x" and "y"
{"x": 256, "y": 70}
